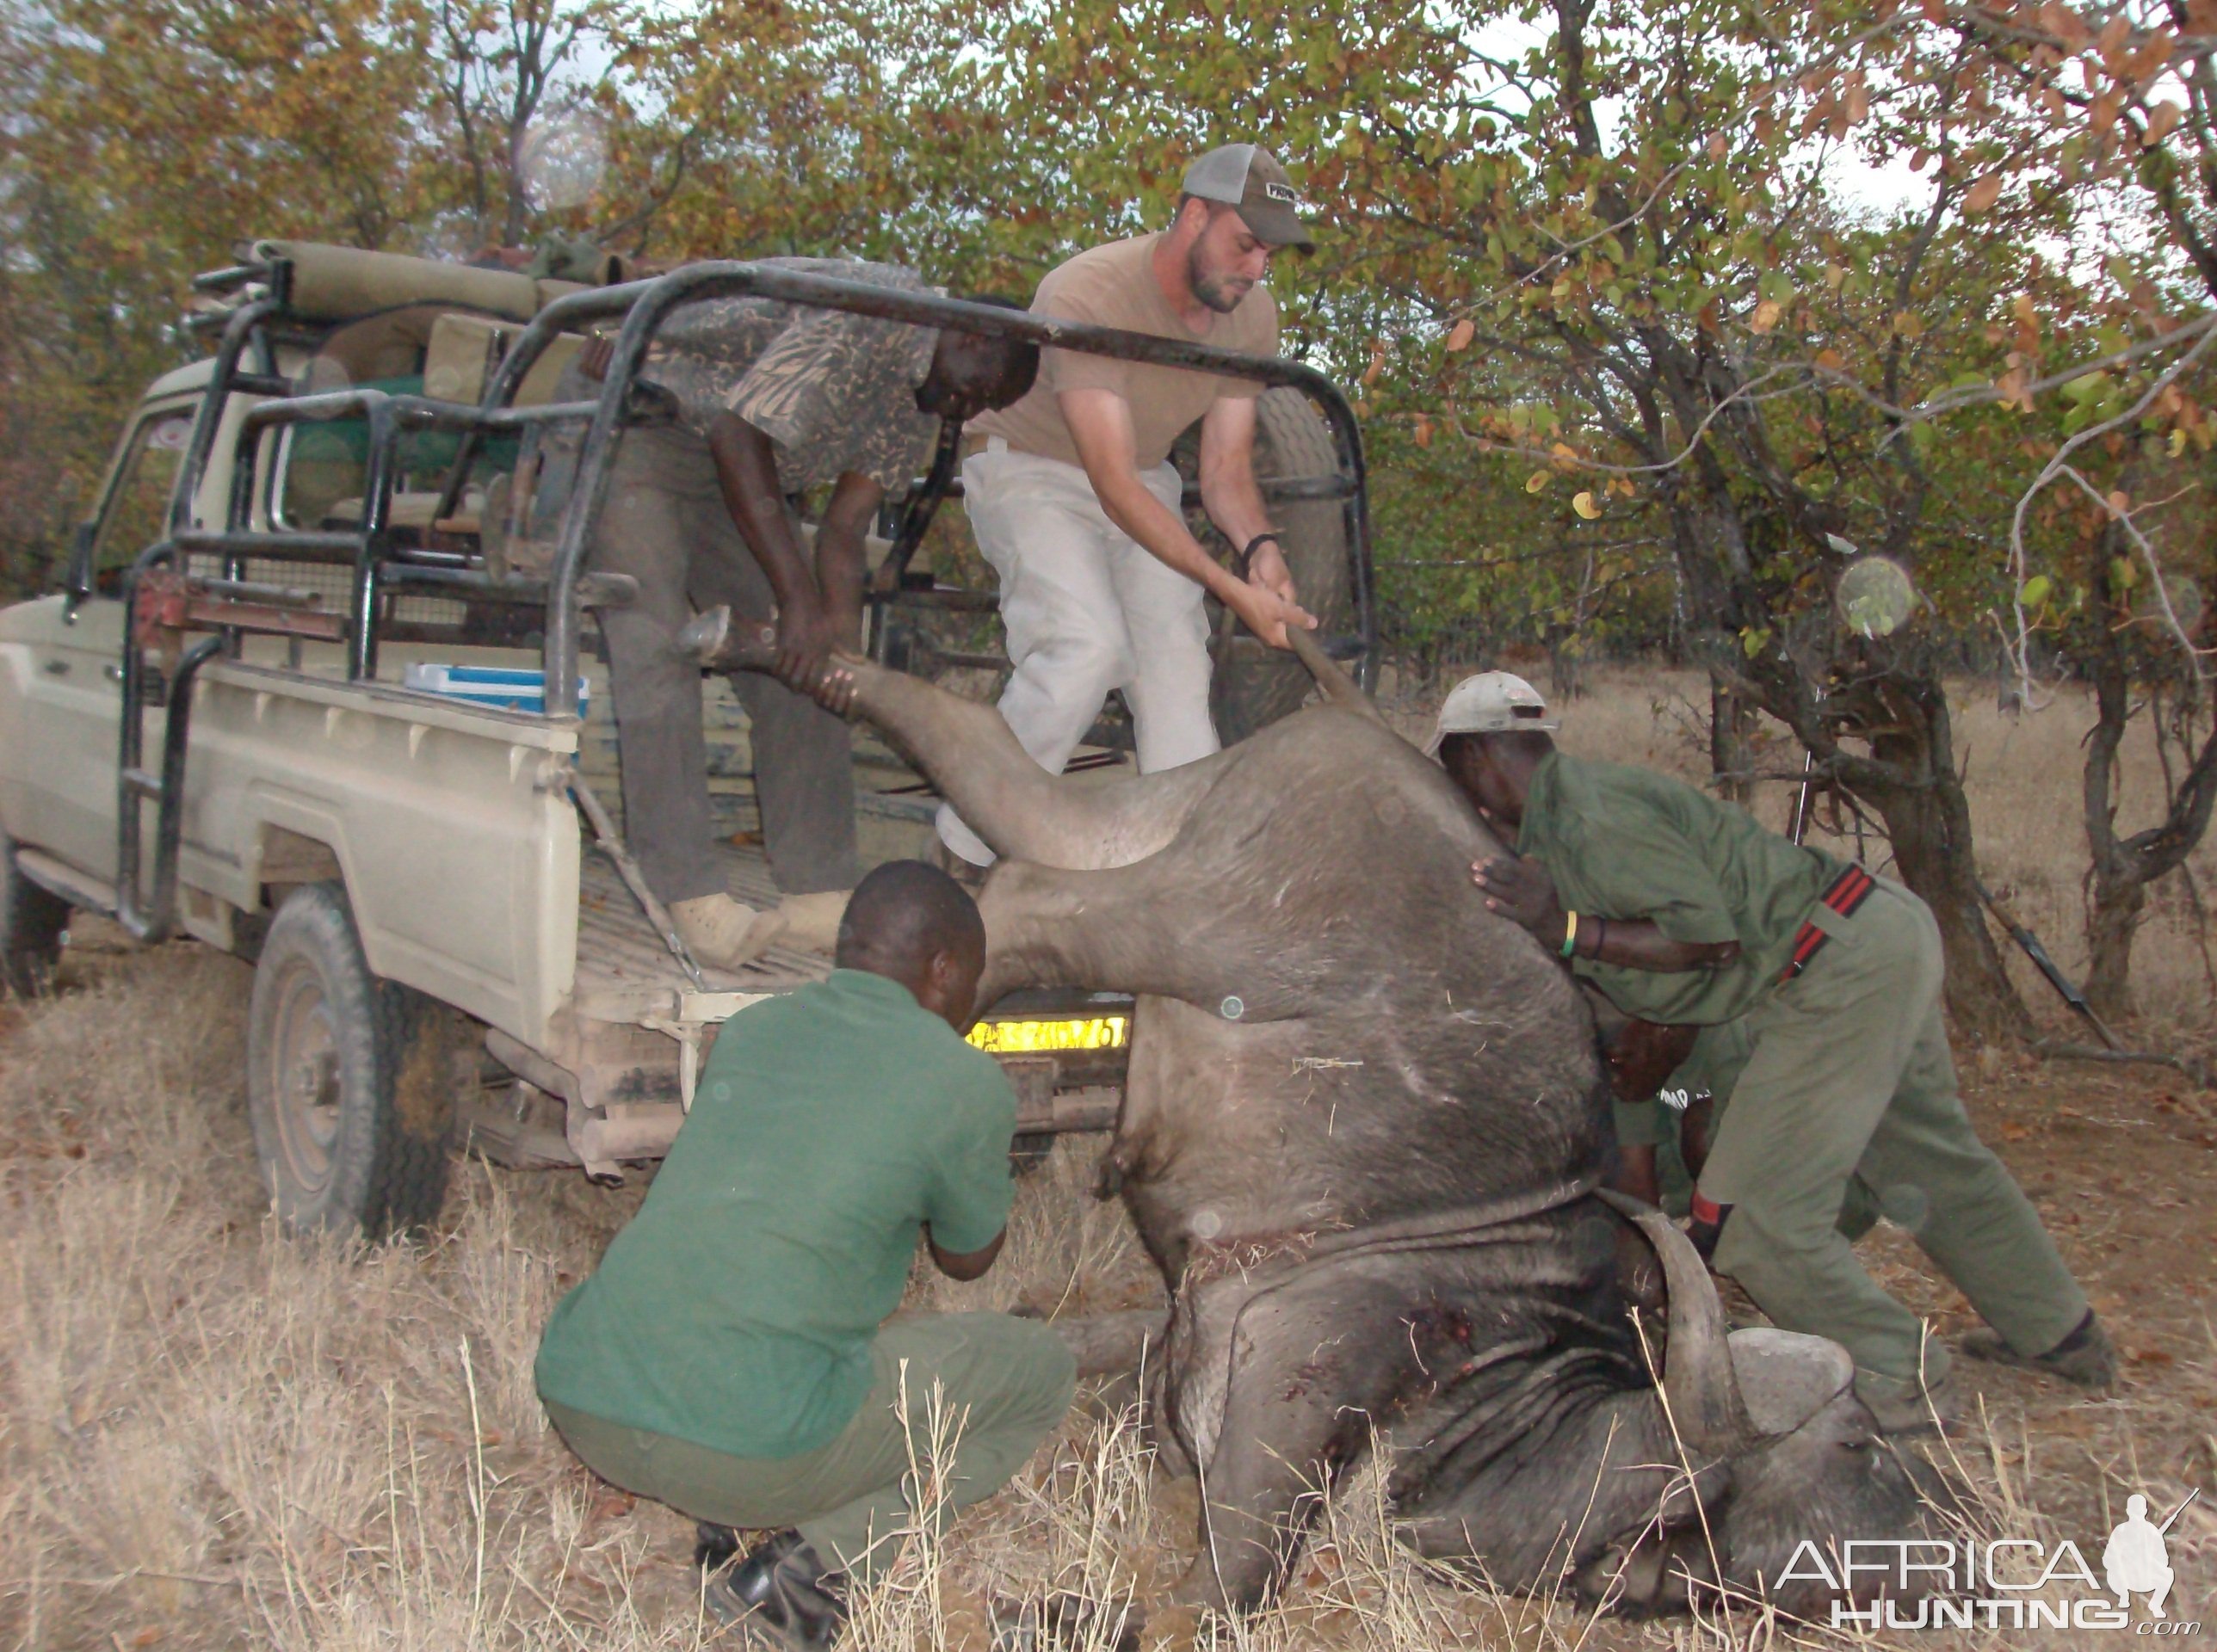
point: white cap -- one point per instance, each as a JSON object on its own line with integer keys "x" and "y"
{"x": 1492, "y": 702}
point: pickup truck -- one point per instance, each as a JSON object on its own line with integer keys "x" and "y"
{"x": 310, "y": 692}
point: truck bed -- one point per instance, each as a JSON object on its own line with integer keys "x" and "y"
{"x": 619, "y": 955}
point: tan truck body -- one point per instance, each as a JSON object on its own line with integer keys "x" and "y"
{"x": 448, "y": 825}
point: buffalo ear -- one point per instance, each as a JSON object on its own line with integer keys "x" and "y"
{"x": 1785, "y": 1379}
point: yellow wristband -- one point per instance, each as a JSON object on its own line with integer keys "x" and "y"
{"x": 1570, "y": 933}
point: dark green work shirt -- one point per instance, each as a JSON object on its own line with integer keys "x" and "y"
{"x": 1628, "y": 843}
{"x": 737, "y": 1309}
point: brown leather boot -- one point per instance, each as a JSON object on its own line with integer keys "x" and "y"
{"x": 811, "y": 922}
{"x": 722, "y": 932}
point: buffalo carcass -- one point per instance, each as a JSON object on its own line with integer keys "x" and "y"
{"x": 1361, "y": 1134}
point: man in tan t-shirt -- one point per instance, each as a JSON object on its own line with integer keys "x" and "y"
{"x": 1076, "y": 505}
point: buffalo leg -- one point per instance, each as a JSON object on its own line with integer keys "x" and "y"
{"x": 970, "y": 754}
{"x": 1136, "y": 929}
{"x": 1114, "y": 1344}
{"x": 1309, "y": 1365}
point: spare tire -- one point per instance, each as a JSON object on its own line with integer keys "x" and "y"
{"x": 1253, "y": 686}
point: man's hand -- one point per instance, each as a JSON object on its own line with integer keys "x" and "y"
{"x": 835, "y": 690}
{"x": 1521, "y": 891}
{"x": 1266, "y": 613}
{"x": 806, "y": 637}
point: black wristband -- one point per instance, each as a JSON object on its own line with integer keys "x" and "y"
{"x": 1248, "y": 554}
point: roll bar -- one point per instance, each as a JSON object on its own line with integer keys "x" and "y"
{"x": 644, "y": 306}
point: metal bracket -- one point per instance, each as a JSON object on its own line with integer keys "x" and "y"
{"x": 612, "y": 844}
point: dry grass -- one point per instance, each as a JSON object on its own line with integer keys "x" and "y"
{"x": 211, "y": 1435}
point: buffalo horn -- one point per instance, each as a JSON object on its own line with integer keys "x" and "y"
{"x": 1697, "y": 1368}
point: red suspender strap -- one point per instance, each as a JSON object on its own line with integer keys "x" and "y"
{"x": 1848, "y": 892}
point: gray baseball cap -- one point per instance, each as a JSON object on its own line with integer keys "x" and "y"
{"x": 1492, "y": 702}
{"x": 1248, "y": 177}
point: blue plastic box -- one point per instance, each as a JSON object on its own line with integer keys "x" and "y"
{"x": 491, "y": 686}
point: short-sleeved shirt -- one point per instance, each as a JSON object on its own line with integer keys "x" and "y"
{"x": 1628, "y": 843}
{"x": 1114, "y": 285}
{"x": 737, "y": 1309}
{"x": 834, "y": 390}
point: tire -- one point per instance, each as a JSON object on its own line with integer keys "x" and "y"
{"x": 1249, "y": 689}
{"x": 348, "y": 1083}
{"x": 32, "y": 921}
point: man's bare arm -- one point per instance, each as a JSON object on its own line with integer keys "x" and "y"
{"x": 1636, "y": 1173}
{"x": 966, "y": 1265}
{"x": 841, "y": 554}
{"x": 1636, "y": 944}
{"x": 1229, "y": 494}
{"x": 1100, "y": 423}
{"x": 746, "y": 471}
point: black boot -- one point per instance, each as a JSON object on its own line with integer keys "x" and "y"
{"x": 714, "y": 1547}
{"x": 783, "y": 1591}
{"x": 2086, "y": 1357}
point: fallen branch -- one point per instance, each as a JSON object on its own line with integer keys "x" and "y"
{"x": 2056, "y": 1049}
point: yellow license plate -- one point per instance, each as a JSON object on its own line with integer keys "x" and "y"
{"x": 1042, "y": 1038}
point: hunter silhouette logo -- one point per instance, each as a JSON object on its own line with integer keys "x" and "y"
{"x": 2137, "y": 1561}
{"x": 2002, "y": 1583}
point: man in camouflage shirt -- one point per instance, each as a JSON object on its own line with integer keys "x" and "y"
{"x": 763, "y": 400}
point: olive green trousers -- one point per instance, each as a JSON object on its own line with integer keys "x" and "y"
{"x": 1848, "y": 1102}
{"x": 1000, "y": 1386}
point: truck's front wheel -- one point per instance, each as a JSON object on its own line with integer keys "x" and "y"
{"x": 32, "y": 919}
{"x": 346, "y": 1079}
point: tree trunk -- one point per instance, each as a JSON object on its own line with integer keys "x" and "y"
{"x": 2118, "y": 890}
{"x": 2110, "y": 926}
{"x": 1730, "y": 721}
{"x": 1929, "y": 826}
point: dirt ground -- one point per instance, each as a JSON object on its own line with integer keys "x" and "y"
{"x": 214, "y": 1435}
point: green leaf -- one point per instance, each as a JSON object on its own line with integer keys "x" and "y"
{"x": 2035, "y": 592}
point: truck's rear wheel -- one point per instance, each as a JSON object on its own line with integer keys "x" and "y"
{"x": 347, "y": 1082}
{"x": 1251, "y": 687}
{"x": 32, "y": 919}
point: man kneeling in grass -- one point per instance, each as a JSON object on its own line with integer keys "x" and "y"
{"x": 733, "y": 1357}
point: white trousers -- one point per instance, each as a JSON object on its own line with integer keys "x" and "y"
{"x": 1087, "y": 609}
